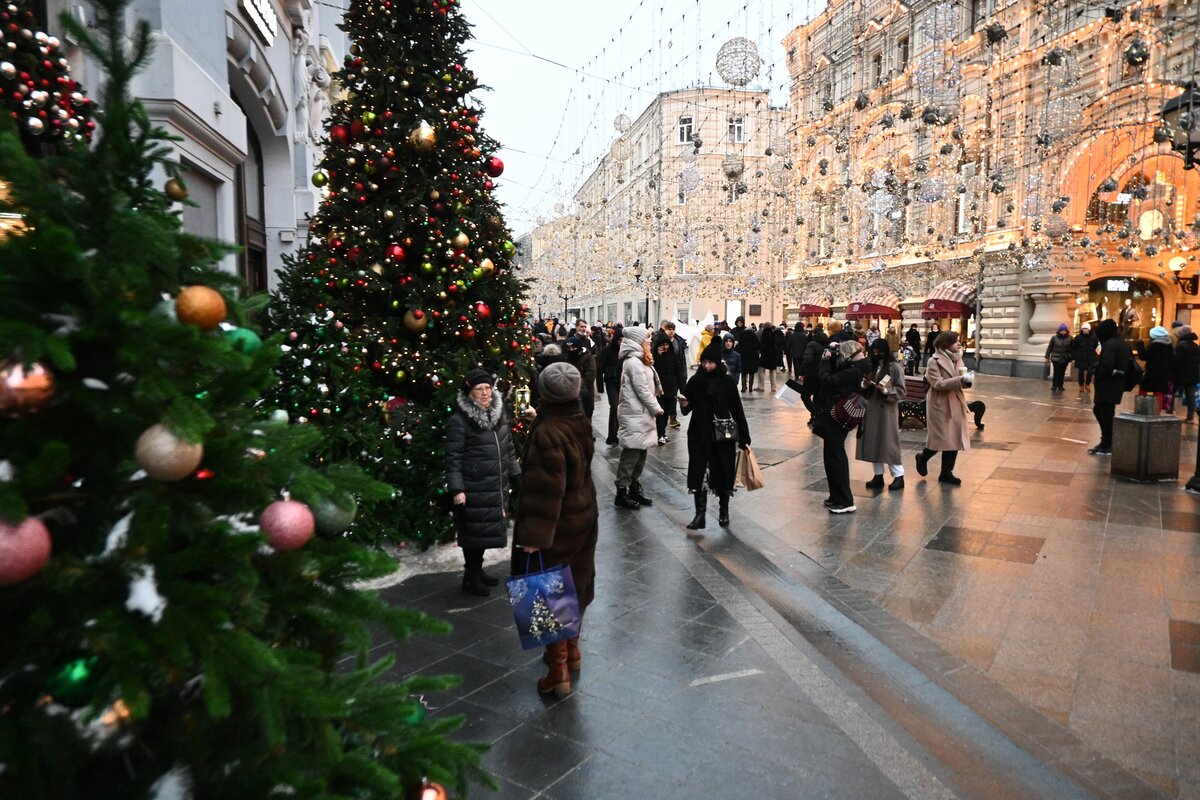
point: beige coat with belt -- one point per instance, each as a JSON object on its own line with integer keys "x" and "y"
{"x": 945, "y": 407}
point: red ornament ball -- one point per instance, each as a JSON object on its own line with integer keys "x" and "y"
{"x": 288, "y": 524}
{"x": 494, "y": 167}
{"x": 482, "y": 310}
{"x": 24, "y": 391}
{"x": 24, "y": 550}
{"x": 395, "y": 251}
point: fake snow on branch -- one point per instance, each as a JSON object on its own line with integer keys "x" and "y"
{"x": 143, "y": 594}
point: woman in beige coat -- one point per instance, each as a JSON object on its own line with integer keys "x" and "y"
{"x": 945, "y": 408}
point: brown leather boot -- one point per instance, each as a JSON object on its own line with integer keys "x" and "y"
{"x": 574, "y": 657}
{"x": 558, "y": 680}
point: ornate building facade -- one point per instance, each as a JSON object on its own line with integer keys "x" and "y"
{"x": 998, "y": 166}
{"x": 245, "y": 85}
{"x": 676, "y": 220}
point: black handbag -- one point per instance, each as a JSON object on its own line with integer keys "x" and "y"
{"x": 724, "y": 429}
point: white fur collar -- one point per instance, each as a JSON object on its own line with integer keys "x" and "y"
{"x": 485, "y": 418}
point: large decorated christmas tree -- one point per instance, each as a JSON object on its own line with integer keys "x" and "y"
{"x": 406, "y": 283}
{"x": 176, "y": 592}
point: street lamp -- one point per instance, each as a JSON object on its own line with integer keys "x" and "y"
{"x": 565, "y": 297}
{"x": 657, "y": 272}
{"x": 1182, "y": 117}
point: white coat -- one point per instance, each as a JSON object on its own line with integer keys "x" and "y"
{"x": 637, "y": 405}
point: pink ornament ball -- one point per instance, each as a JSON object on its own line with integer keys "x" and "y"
{"x": 24, "y": 549}
{"x": 288, "y": 524}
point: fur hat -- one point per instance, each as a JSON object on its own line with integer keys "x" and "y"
{"x": 477, "y": 377}
{"x": 559, "y": 383}
{"x": 636, "y": 334}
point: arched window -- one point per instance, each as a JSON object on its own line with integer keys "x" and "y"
{"x": 252, "y": 231}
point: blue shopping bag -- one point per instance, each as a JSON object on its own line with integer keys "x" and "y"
{"x": 544, "y": 604}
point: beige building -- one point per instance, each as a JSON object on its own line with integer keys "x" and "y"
{"x": 692, "y": 195}
{"x": 997, "y": 166}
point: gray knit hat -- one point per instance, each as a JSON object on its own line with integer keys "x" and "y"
{"x": 636, "y": 334}
{"x": 559, "y": 382}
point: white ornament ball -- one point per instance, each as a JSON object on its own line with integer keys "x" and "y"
{"x": 288, "y": 524}
{"x": 24, "y": 549}
{"x": 166, "y": 457}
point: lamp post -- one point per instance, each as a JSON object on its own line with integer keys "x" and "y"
{"x": 565, "y": 297}
{"x": 656, "y": 272}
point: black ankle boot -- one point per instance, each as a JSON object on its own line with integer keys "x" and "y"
{"x": 699, "y": 521}
{"x": 635, "y": 494}
{"x": 923, "y": 461}
{"x": 876, "y": 482}
{"x": 623, "y": 500}
{"x": 488, "y": 580}
{"x": 723, "y": 510}
{"x": 473, "y": 582}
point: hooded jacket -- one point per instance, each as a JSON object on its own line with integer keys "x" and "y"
{"x": 637, "y": 405}
{"x": 1113, "y": 364}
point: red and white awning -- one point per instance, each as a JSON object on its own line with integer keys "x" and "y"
{"x": 815, "y": 304}
{"x": 878, "y": 303}
{"x": 955, "y": 298}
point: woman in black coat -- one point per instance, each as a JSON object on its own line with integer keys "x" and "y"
{"x": 771, "y": 357}
{"x": 1158, "y": 356}
{"x": 1186, "y": 369}
{"x": 481, "y": 465}
{"x": 749, "y": 348}
{"x": 712, "y": 394}
{"x": 839, "y": 377}
{"x": 608, "y": 366}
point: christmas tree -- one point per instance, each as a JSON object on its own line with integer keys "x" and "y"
{"x": 174, "y": 627}
{"x": 406, "y": 282}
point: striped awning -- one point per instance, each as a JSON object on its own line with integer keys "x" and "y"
{"x": 815, "y": 304}
{"x": 878, "y": 303}
{"x": 955, "y": 298}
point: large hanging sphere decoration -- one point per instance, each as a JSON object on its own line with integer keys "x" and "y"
{"x": 24, "y": 550}
{"x": 201, "y": 306}
{"x": 288, "y": 524}
{"x": 166, "y": 457}
{"x": 622, "y": 123}
{"x": 738, "y": 61}
{"x": 1137, "y": 53}
{"x": 24, "y": 390}
{"x": 621, "y": 149}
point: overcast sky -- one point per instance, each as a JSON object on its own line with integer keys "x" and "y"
{"x": 560, "y": 72}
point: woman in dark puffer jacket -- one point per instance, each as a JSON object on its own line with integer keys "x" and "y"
{"x": 480, "y": 467}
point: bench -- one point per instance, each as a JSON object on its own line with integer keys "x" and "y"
{"x": 912, "y": 407}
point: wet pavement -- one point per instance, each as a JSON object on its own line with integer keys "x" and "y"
{"x": 1034, "y": 632}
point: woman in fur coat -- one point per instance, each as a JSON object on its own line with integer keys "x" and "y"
{"x": 558, "y": 514}
{"x": 481, "y": 466}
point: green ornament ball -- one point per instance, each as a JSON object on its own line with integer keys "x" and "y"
{"x": 244, "y": 340}
{"x": 509, "y": 249}
{"x": 335, "y": 513}
{"x": 73, "y": 683}
{"x": 319, "y": 179}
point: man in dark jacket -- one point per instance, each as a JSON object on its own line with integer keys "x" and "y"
{"x": 582, "y": 359}
{"x": 797, "y": 342}
{"x": 1112, "y": 372}
{"x": 608, "y": 364}
{"x": 1058, "y": 356}
{"x": 679, "y": 350}
{"x": 1083, "y": 354}
{"x": 667, "y": 367}
{"x": 810, "y": 370}
{"x": 1186, "y": 368}
{"x": 748, "y": 348}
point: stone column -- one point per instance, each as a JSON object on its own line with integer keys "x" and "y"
{"x": 1050, "y": 301}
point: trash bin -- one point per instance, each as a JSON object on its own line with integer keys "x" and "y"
{"x": 1146, "y": 448}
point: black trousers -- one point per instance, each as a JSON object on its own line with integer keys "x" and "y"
{"x": 1060, "y": 373}
{"x": 1104, "y": 413}
{"x": 808, "y": 396}
{"x": 589, "y": 403}
{"x": 472, "y": 557}
{"x": 612, "y": 389}
{"x": 1085, "y": 375}
{"x": 667, "y": 401}
{"x": 837, "y": 466}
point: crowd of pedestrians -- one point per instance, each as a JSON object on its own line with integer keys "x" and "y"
{"x": 850, "y": 379}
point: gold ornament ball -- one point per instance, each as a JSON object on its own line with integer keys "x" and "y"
{"x": 200, "y": 306}
{"x": 24, "y": 391}
{"x": 166, "y": 457}
{"x": 461, "y": 241}
{"x": 487, "y": 266}
{"x": 176, "y": 190}
{"x": 416, "y": 320}
{"x": 423, "y": 137}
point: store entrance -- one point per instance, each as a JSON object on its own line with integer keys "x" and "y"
{"x": 1135, "y": 304}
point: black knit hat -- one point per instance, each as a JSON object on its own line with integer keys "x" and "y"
{"x": 476, "y": 377}
{"x": 714, "y": 353}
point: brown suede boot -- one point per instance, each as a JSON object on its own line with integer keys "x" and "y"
{"x": 558, "y": 680}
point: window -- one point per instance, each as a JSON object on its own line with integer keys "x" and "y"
{"x": 877, "y": 69}
{"x": 737, "y": 129}
{"x": 963, "y": 201}
{"x": 685, "y": 130}
{"x": 902, "y": 53}
{"x": 978, "y": 10}
{"x": 252, "y": 233}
